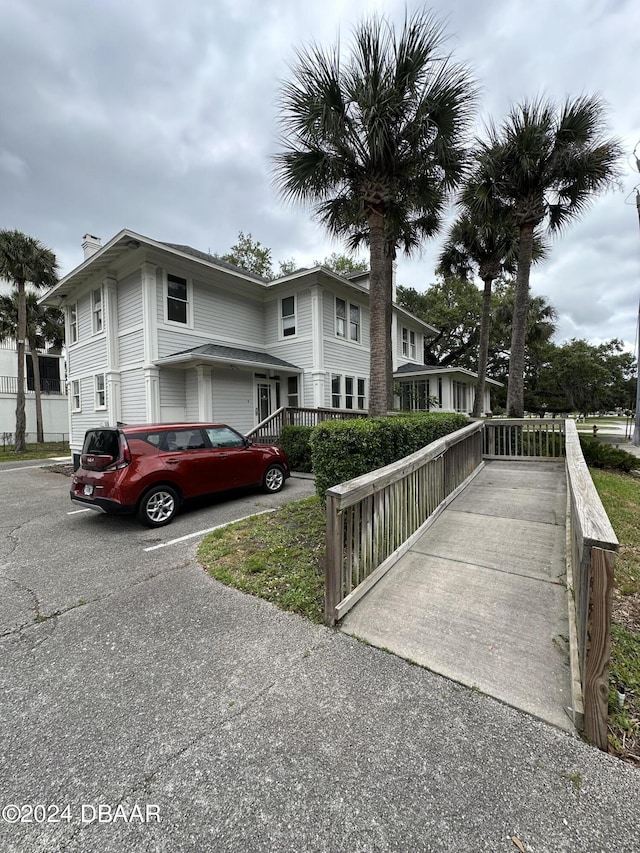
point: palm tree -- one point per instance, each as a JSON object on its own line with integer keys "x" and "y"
{"x": 546, "y": 165}
{"x": 24, "y": 259}
{"x": 488, "y": 246}
{"x": 45, "y": 325}
{"x": 376, "y": 144}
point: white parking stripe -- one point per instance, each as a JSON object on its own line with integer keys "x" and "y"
{"x": 203, "y": 532}
{"x": 76, "y": 511}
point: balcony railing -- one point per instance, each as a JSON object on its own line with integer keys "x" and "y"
{"x": 9, "y": 385}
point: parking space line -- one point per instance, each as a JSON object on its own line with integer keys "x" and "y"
{"x": 76, "y": 511}
{"x": 203, "y": 532}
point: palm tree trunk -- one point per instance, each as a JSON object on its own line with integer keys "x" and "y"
{"x": 515, "y": 393}
{"x": 388, "y": 258}
{"x": 21, "y": 421}
{"x": 35, "y": 358}
{"x": 483, "y": 348}
{"x": 378, "y": 327}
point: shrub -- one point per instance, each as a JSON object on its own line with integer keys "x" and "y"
{"x": 342, "y": 450}
{"x": 295, "y": 441}
{"x": 598, "y": 455}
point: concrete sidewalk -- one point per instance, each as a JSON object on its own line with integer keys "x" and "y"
{"x": 481, "y": 597}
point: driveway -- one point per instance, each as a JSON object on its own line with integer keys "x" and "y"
{"x": 145, "y": 707}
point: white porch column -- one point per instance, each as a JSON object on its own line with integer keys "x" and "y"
{"x": 318, "y": 372}
{"x": 152, "y": 394}
{"x": 205, "y": 393}
{"x": 150, "y": 278}
{"x": 112, "y": 373}
{"x": 447, "y": 394}
{"x": 114, "y": 400}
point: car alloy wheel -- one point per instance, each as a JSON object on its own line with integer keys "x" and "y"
{"x": 158, "y": 506}
{"x": 273, "y": 478}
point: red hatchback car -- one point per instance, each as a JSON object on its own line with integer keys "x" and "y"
{"x": 151, "y": 469}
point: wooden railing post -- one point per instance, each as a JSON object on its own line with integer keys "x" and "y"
{"x": 334, "y": 558}
{"x": 596, "y": 669}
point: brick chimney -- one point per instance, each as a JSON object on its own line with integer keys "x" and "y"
{"x": 90, "y": 245}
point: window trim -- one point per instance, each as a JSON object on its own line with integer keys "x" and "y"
{"x": 346, "y": 321}
{"x": 283, "y": 317}
{"x": 99, "y": 407}
{"x": 409, "y": 343}
{"x": 73, "y": 323}
{"x": 97, "y": 314}
{"x": 178, "y": 324}
{"x": 73, "y": 395}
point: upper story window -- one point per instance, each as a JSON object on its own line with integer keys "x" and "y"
{"x": 96, "y": 308}
{"x": 288, "y": 316}
{"x": 177, "y": 299}
{"x": 346, "y": 311}
{"x": 101, "y": 391}
{"x": 408, "y": 343}
{"x": 73, "y": 323}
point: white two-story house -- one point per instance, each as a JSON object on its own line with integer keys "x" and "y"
{"x": 159, "y": 332}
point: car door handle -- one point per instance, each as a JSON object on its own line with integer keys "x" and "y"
{"x": 222, "y": 455}
{"x": 173, "y": 461}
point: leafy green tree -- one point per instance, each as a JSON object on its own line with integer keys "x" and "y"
{"x": 545, "y": 164}
{"x": 45, "y": 325}
{"x": 23, "y": 260}
{"x": 375, "y": 143}
{"x": 342, "y": 264}
{"x": 250, "y": 255}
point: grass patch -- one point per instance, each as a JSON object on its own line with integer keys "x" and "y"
{"x": 278, "y": 556}
{"x": 620, "y": 495}
{"x": 35, "y": 451}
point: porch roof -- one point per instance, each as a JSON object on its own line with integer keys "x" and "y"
{"x": 225, "y": 355}
{"x": 415, "y": 370}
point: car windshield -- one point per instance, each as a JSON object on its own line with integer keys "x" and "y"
{"x": 102, "y": 442}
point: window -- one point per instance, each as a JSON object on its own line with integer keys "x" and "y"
{"x": 341, "y": 320}
{"x": 336, "y": 391}
{"x": 288, "y": 316}
{"x": 75, "y": 396}
{"x": 96, "y": 303}
{"x": 177, "y": 299}
{"x": 292, "y": 391}
{"x": 415, "y": 396}
{"x": 73, "y": 323}
{"x": 224, "y": 437}
{"x": 348, "y": 392}
{"x": 362, "y": 400}
{"x": 459, "y": 396}
{"x": 408, "y": 343}
{"x": 101, "y": 391}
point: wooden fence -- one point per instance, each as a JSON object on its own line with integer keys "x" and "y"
{"x": 373, "y": 519}
{"x": 592, "y": 545}
{"x": 268, "y": 431}
{"x": 539, "y": 438}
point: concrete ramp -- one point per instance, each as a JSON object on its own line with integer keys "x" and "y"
{"x": 481, "y": 597}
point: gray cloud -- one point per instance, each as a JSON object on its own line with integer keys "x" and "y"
{"x": 161, "y": 117}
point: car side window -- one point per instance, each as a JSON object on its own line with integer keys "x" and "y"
{"x": 184, "y": 439}
{"x": 224, "y": 437}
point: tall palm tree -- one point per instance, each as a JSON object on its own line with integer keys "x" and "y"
{"x": 24, "y": 259}
{"x": 376, "y": 144}
{"x": 44, "y": 325}
{"x": 487, "y": 246}
{"x": 545, "y": 164}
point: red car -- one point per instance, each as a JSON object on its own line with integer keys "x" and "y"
{"x": 151, "y": 469}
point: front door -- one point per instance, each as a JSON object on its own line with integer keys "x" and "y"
{"x": 263, "y": 394}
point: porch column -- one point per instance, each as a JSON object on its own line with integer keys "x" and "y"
{"x": 317, "y": 338}
{"x": 319, "y": 387}
{"x": 152, "y": 394}
{"x": 205, "y": 393}
{"x": 151, "y": 281}
{"x": 114, "y": 400}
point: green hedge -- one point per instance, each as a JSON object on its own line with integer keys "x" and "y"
{"x": 295, "y": 441}
{"x": 342, "y": 450}
{"x": 599, "y": 455}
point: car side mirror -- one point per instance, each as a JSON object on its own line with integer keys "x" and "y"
{"x": 248, "y": 442}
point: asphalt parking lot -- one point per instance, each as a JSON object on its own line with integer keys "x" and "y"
{"x": 146, "y": 707}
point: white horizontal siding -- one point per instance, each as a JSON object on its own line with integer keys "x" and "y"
{"x": 85, "y": 358}
{"x": 130, "y": 300}
{"x": 131, "y": 348}
{"x": 88, "y": 418}
{"x": 173, "y": 400}
{"x": 191, "y": 395}
{"x": 171, "y": 340}
{"x": 227, "y": 316}
{"x": 234, "y": 399}
{"x": 85, "y": 320}
{"x": 132, "y": 397}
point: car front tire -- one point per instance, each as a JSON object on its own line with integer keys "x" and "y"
{"x": 273, "y": 480}
{"x": 158, "y": 506}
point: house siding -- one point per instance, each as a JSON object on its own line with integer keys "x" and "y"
{"x": 191, "y": 395}
{"x": 234, "y": 399}
{"x": 132, "y": 396}
{"x": 87, "y": 358}
{"x": 130, "y": 301}
{"x": 227, "y": 315}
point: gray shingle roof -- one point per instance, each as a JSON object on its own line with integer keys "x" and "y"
{"x": 213, "y": 259}
{"x": 222, "y": 352}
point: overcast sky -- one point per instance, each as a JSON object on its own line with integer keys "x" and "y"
{"x": 160, "y": 116}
